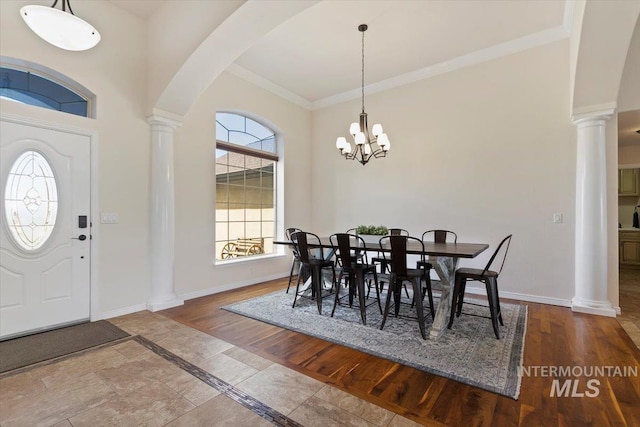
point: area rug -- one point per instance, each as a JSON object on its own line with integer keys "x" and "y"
{"x": 468, "y": 352}
{"x": 24, "y": 351}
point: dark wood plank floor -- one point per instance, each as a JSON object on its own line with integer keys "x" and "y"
{"x": 555, "y": 337}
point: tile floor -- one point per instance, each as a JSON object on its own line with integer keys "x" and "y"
{"x": 127, "y": 384}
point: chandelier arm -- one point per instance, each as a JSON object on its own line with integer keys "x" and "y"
{"x": 68, "y": 5}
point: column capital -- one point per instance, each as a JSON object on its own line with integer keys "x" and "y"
{"x": 592, "y": 116}
{"x": 164, "y": 118}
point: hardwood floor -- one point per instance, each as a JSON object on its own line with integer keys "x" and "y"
{"x": 630, "y": 301}
{"x": 555, "y": 337}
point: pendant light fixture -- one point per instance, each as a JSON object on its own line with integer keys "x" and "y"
{"x": 61, "y": 28}
{"x": 365, "y": 146}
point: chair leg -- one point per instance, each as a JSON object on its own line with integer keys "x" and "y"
{"x": 316, "y": 283}
{"x": 498, "y": 303}
{"x": 297, "y": 289}
{"x": 293, "y": 264}
{"x": 416, "y": 296}
{"x": 430, "y": 293}
{"x": 490, "y": 284}
{"x": 337, "y": 298}
{"x": 359, "y": 277}
{"x": 463, "y": 287}
{"x": 387, "y": 304}
{"x": 454, "y": 301}
{"x": 375, "y": 281}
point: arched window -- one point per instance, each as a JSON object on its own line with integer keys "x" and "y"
{"x": 35, "y": 87}
{"x": 246, "y": 161}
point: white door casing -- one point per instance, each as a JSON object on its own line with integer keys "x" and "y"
{"x": 48, "y": 286}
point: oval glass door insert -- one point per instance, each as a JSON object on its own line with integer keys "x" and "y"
{"x": 31, "y": 200}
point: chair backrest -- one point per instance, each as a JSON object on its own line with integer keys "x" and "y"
{"x": 302, "y": 241}
{"x": 398, "y": 245}
{"x": 440, "y": 236}
{"x": 502, "y": 249}
{"x": 398, "y": 232}
{"x": 345, "y": 244}
{"x": 289, "y": 232}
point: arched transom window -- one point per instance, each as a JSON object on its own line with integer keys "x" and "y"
{"x": 40, "y": 90}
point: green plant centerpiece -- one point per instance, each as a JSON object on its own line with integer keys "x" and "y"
{"x": 374, "y": 230}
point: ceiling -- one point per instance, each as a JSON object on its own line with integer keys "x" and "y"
{"x": 404, "y": 38}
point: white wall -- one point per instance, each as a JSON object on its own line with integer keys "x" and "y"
{"x": 195, "y": 184}
{"x": 115, "y": 71}
{"x": 485, "y": 151}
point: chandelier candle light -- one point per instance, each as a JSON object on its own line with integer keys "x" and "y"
{"x": 366, "y": 146}
{"x": 59, "y": 27}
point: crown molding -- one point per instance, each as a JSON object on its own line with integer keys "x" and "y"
{"x": 494, "y": 52}
{"x": 260, "y": 81}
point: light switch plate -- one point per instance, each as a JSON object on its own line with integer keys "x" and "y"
{"x": 557, "y": 218}
{"x": 109, "y": 218}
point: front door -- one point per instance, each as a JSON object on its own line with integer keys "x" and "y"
{"x": 45, "y": 228}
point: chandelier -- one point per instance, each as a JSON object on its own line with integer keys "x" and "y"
{"x": 365, "y": 146}
{"x": 59, "y": 27}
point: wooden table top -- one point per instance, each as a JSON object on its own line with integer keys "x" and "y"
{"x": 454, "y": 250}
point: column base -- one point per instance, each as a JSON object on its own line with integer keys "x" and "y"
{"x": 600, "y": 308}
{"x": 158, "y": 305}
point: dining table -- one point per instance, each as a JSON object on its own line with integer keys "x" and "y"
{"x": 444, "y": 258}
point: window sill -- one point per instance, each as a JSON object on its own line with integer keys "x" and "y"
{"x": 244, "y": 260}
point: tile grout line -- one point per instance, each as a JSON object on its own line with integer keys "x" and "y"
{"x": 225, "y": 388}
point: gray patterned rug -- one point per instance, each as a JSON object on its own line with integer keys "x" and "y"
{"x": 468, "y": 352}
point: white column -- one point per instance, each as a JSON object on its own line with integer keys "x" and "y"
{"x": 162, "y": 233}
{"x": 591, "y": 216}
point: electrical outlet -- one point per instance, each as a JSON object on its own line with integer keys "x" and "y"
{"x": 109, "y": 218}
{"x": 557, "y": 218}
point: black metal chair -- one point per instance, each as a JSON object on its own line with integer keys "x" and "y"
{"x": 437, "y": 236}
{"x": 489, "y": 278}
{"x": 355, "y": 271}
{"x": 305, "y": 243}
{"x": 295, "y": 258}
{"x": 399, "y": 274}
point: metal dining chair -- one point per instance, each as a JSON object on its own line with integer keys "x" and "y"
{"x": 354, "y": 270}
{"x": 305, "y": 243}
{"x": 399, "y": 274}
{"x": 436, "y": 236}
{"x": 489, "y": 278}
{"x": 295, "y": 258}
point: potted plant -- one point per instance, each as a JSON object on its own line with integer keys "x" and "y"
{"x": 371, "y": 233}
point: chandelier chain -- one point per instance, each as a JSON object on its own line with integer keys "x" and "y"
{"x": 363, "y": 71}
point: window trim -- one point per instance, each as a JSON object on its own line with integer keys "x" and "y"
{"x": 241, "y": 149}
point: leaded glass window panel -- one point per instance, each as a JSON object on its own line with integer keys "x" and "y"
{"x": 31, "y": 200}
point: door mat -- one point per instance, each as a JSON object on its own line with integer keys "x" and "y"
{"x": 24, "y": 351}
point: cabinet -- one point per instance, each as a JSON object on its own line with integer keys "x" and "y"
{"x": 628, "y": 184}
{"x": 629, "y": 247}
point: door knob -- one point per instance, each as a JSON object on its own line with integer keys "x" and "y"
{"x": 80, "y": 237}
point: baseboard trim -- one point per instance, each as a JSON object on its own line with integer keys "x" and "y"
{"x": 524, "y": 297}
{"x": 119, "y": 312}
{"x": 231, "y": 286}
